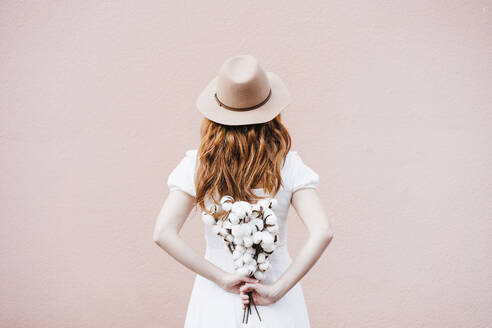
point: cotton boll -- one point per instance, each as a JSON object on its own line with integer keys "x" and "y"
{"x": 245, "y": 209}
{"x": 246, "y": 229}
{"x": 223, "y": 232}
{"x": 250, "y": 250}
{"x": 229, "y": 238}
{"x": 261, "y": 258}
{"x": 268, "y": 247}
{"x": 242, "y": 271}
{"x": 259, "y": 275}
{"x": 263, "y": 203}
{"x": 251, "y": 268}
{"x": 237, "y": 240}
{"x": 247, "y": 257}
{"x": 234, "y": 218}
{"x": 226, "y": 203}
{"x": 238, "y": 209}
{"x": 225, "y": 199}
{"x": 255, "y": 207}
{"x": 273, "y": 228}
{"x": 227, "y": 224}
{"x": 252, "y": 224}
{"x": 257, "y": 237}
{"x": 267, "y": 213}
{"x": 254, "y": 228}
{"x": 248, "y": 241}
{"x": 248, "y": 209}
{"x": 271, "y": 219}
{"x": 264, "y": 266}
{"x": 213, "y": 208}
{"x": 256, "y": 214}
{"x": 267, "y": 237}
{"x": 227, "y": 206}
{"x": 207, "y": 218}
{"x": 259, "y": 224}
{"x": 237, "y": 230}
{"x": 241, "y": 249}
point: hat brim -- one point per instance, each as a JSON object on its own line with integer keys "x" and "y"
{"x": 208, "y": 106}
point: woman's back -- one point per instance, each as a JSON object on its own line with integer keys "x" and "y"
{"x": 295, "y": 175}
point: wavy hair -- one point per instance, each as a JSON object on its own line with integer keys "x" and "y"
{"x": 233, "y": 159}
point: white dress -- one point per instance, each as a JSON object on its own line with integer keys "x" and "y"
{"x": 209, "y": 305}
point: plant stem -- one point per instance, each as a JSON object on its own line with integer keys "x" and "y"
{"x": 255, "y": 308}
{"x": 247, "y": 313}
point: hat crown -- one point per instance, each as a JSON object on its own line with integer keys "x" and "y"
{"x": 242, "y": 82}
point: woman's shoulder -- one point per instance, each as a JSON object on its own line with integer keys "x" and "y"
{"x": 190, "y": 157}
{"x": 191, "y": 152}
{"x": 292, "y": 160}
{"x": 182, "y": 175}
{"x": 297, "y": 173}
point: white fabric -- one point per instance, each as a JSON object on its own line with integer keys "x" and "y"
{"x": 211, "y": 306}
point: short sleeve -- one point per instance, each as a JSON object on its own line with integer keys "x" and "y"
{"x": 182, "y": 176}
{"x": 301, "y": 175}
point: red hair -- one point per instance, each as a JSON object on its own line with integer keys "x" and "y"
{"x": 232, "y": 160}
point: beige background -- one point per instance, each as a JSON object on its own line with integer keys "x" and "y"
{"x": 391, "y": 106}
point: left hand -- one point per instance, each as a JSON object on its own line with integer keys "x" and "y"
{"x": 262, "y": 294}
{"x": 231, "y": 282}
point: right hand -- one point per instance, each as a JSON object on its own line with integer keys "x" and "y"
{"x": 232, "y": 282}
{"x": 262, "y": 294}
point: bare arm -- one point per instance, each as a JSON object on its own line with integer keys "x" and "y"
{"x": 310, "y": 208}
{"x": 172, "y": 216}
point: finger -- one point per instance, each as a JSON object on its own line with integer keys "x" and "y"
{"x": 249, "y": 279}
{"x": 245, "y": 297}
{"x": 244, "y": 288}
{"x": 247, "y": 287}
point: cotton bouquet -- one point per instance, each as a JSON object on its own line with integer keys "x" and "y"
{"x": 250, "y": 231}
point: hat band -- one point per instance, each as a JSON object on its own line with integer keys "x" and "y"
{"x": 244, "y": 108}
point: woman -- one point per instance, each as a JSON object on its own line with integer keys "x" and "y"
{"x": 245, "y": 153}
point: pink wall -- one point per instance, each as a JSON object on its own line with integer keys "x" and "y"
{"x": 391, "y": 105}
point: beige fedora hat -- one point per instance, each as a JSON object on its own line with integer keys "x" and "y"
{"x": 243, "y": 93}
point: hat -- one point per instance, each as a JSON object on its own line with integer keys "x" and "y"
{"x": 243, "y": 93}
